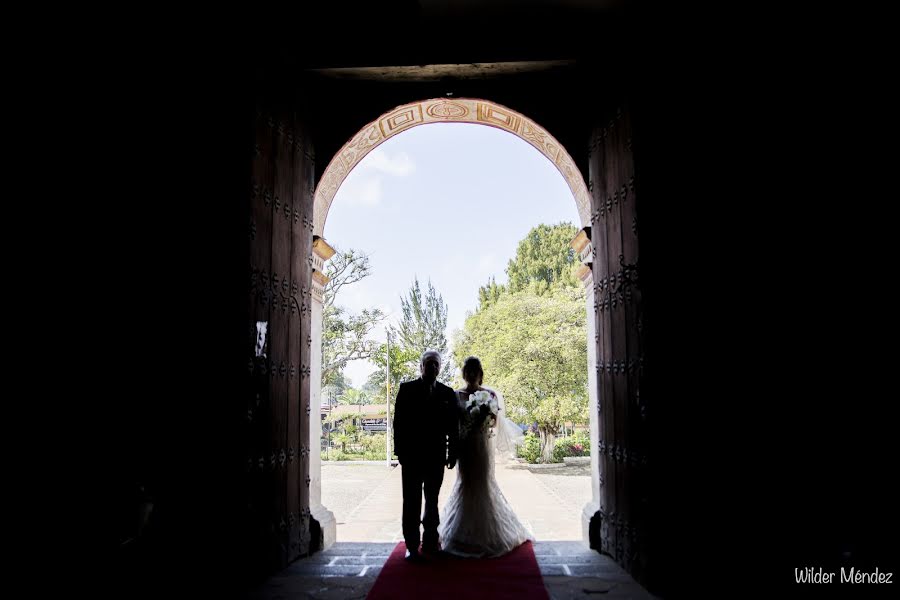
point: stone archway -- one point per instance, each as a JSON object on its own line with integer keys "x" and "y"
{"x": 442, "y": 110}
{"x": 403, "y": 118}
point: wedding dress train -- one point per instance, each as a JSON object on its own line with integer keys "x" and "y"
{"x": 478, "y": 521}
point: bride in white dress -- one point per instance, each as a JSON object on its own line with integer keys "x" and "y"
{"x": 478, "y": 522}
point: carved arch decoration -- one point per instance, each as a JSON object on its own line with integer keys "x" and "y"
{"x": 445, "y": 110}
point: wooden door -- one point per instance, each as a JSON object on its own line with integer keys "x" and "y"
{"x": 621, "y": 527}
{"x": 279, "y": 337}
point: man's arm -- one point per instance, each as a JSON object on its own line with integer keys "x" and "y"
{"x": 399, "y": 425}
{"x": 452, "y": 430}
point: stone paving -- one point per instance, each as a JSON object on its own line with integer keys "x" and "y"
{"x": 367, "y": 498}
{"x": 348, "y": 570}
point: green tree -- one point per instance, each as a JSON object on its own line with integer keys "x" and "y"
{"x": 402, "y": 369}
{"x": 343, "y": 439}
{"x": 489, "y": 293}
{"x": 335, "y": 389}
{"x": 533, "y": 347}
{"x": 544, "y": 259}
{"x": 423, "y": 327}
{"x": 354, "y": 397}
{"x": 372, "y": 388}
{"x": 345, "y": 336}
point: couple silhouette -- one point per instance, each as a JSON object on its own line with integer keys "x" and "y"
{"x": 436, "y": 427}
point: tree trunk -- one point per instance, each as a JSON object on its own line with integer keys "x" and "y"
{"x": 548, "y": 440}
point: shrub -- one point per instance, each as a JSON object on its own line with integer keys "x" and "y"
{"x": 578, "y": 444}
{"x": 530, "y": 449}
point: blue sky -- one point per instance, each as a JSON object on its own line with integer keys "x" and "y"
{"x": 447, "y": 202}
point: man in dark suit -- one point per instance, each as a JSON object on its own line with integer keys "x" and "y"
{"x": 425, "y": 441}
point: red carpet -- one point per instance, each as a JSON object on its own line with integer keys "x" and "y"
{"x": 514, "y": 576}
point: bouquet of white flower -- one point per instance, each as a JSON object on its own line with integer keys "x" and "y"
{"x": 482, "y": 404}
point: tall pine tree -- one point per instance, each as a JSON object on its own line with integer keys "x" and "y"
{"x": 424, "y": 326}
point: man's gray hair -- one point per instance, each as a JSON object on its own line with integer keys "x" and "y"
{"x": 426, "y": 353}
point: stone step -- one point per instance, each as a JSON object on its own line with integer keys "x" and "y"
{"x": 348, "y": 559}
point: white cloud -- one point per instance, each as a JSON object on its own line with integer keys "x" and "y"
{"x": 363, "y": 187}
{"x": 361, "y": 191}
{"x": 400, "y": 165}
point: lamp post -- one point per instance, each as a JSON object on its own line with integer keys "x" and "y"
{"x": 387, "y": 400}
